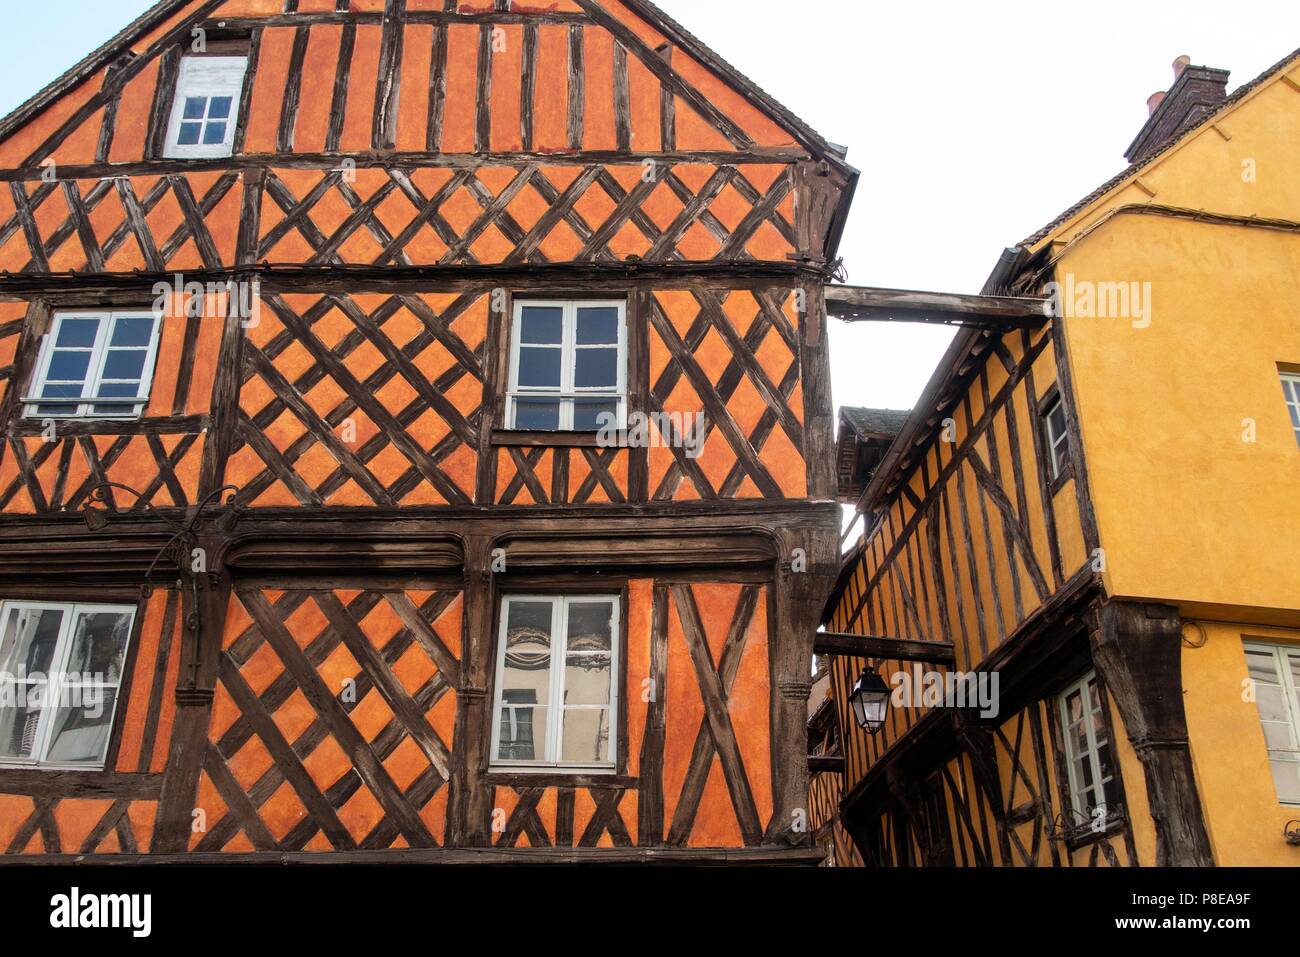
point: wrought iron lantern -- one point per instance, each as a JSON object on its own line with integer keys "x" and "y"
{"x": 870, "y": 699}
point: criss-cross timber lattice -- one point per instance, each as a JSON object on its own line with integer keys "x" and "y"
{"x": 576, "y": 476}
{"x": 708, "y": 364}
{"x": 58, "y": 475}
{"x": 331, "y": 743}
{"x": 57, "y": 825}
{"x": 119, "y": 224}
{"x": 534, "y": 214}
{"x": 401, "y": 372}
{"x": 525, "y": 824}
{"x": 716, "y": 736}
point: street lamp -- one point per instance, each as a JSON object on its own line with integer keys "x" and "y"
{"x": 870, "y": 698}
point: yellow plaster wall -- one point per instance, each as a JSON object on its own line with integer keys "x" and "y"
{"x": 1242, "y": 812}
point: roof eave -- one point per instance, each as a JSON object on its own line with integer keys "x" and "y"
{"x": 87, "y": 66}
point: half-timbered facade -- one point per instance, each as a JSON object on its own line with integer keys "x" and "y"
{"x": 1092, "y": 511}
{"x": 416, "y": 419}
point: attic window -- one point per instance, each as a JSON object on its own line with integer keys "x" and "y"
{"x": 1057, "y": 436}
{"x": 206, "y": 109}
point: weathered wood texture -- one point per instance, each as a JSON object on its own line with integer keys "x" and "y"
{"x": 979, "y": 539}
{"x": 333, "y": 728}
{"x": 1000, "y": 801}
{"x": 1139, "y": 650}
{"x": 402, "y": 170}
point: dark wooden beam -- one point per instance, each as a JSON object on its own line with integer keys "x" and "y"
{"x": 871, "y": 304}
{"x": 661, "y": 856}
{"x": 892, "y": 649}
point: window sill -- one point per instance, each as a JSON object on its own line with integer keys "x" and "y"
{"x": 1084, "y": 834}
{"x": 51, "y": 768}
{"x": 1059, "y": 483}
{"x": 505, "y": 438}
{"x": 558, "y": 778}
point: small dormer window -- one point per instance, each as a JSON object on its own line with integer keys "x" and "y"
{"x": 206, "y": 110}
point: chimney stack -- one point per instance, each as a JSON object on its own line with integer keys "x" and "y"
{"x": 1197, "y": 91}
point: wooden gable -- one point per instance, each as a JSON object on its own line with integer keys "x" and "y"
{"x": 409, "y": 133}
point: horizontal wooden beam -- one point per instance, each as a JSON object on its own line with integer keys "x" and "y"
{"x": 871, "y": 304}
{"x": 820, "y": 763}
{"x": 446, "y": 856}
{"x": 891, "y": 649}
{"x": 79, "y": 784}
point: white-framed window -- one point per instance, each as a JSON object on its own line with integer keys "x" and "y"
{"x": 1089, "y": 762}
{"x": 206, "y": 109}
{"x": 1275, "y": 670}
{"x": 1058, "y": 437}
{"x": 568, "y": 366}
{"x": 95, "y": 365}
{"x": 60, "y": 672}
{"x": 556, "y": 702}
{"x": 1291, "y": 390}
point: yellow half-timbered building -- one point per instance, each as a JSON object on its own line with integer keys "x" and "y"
{"x": 1093, "y": 511}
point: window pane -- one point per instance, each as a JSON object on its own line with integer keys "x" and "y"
{"x": 194, "y": 107}
{"x": 523, "y": 727}
{"x": 590, "y": 626}
{"x": 214, "y": 134}
{"x": 1061, "y": 455}
{"x": 20, "y": 716}
{"x": 77, "y": 333}
{"x": 81, "y": 726}
{"x": 124, "y": 364}
{"x": 1074, "y": 707}
{"x": 1261, "y": 665}
{"x": 598, "y": 326}
{"x": 219, "y": 108}
{"x": 587, "y": 679}
{"x": 1272, "y": 704}
{"x": 540, "y": 416}
{"x": 1057, "y": 420}
{"x": 132, "y": 332}
{"x": 528, "y": 650}
{"x": 56, "y": 409}
{"x": 539, "y": 368}
{"x": 28, "y": 640}
{"x": 1286, "y": 775}
{"x": 594, "y": 416}
{"x": 189, "y": 135}
{"x": 62, "y": 390}
{"x": 116, "y": 410}
{"x": 1278, "y": 736}
{"x": 596, "y": 369}
{"x": 68, "y": 366}
{"x": 542, "y": 324}
{"x": 99, "y": 645}
{"x": 586, "y": 736}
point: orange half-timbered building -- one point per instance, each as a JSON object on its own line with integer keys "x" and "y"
{"x": 418, "y": 440}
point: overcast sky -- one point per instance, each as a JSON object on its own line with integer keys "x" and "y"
{"x": 974, "y": 123}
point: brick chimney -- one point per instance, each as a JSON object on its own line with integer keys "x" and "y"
{"x": 1197, "y": 90}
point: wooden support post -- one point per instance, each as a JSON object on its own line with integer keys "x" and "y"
{"x": 205, "y": 600}
{"x": 806, "y": 572}
{"x": 469, "y": 807}
{"x": 1138, "y": 651}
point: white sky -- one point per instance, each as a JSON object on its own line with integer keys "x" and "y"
{"x": 974, "y": 123}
